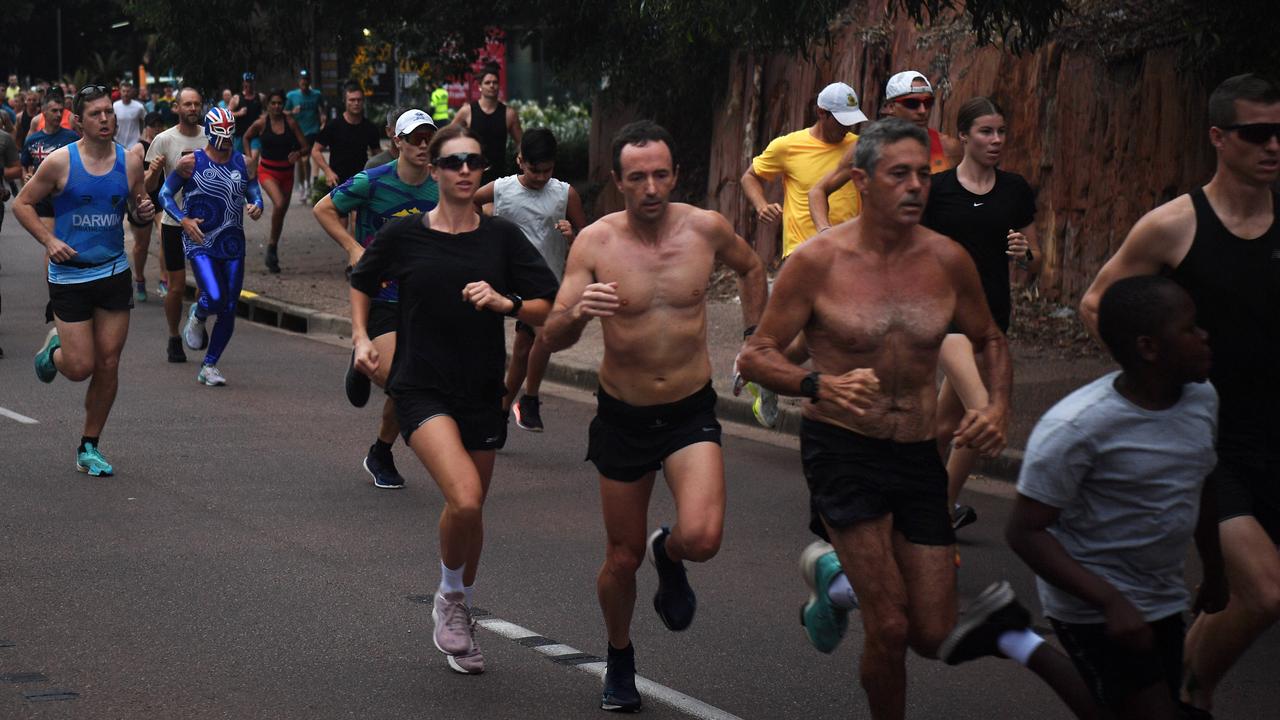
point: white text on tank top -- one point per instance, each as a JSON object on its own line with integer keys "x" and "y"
{"x": 536, "y": 213}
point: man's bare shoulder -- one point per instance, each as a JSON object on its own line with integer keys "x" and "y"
{"x": 702, "y": 221}
{"x": 1172, "y": 218}
{"x": 820, "y": 250}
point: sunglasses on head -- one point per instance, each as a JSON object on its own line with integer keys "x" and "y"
{"x": 1255, "y": 133}
{"x": 915, "y": 103}
{"x": 473, "y": 161}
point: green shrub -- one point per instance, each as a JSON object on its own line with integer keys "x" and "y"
{"x": 571, "y": 124}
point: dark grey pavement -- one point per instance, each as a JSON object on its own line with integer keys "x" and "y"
{"x": 240, "y": 565}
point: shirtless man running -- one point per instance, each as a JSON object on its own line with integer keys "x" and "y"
{"x": 644, "y": 272}
{"x": 874, "y": 297}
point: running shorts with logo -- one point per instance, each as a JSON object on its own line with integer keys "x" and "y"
{"x": 854, "y": 478}
{"x": 626, "y": 442}
{"x": 482, "y": 426}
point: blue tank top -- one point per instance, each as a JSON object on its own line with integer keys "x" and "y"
{"x": 215, "y": 193}
{"x": 89, "y": 216}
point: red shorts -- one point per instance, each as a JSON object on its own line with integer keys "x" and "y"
{"x": 280, "y": 173}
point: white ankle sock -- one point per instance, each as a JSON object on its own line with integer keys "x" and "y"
{"x": 450, "y": 580}
{"x": 1019, "y": 644}
{"x": 468, "y": 590}
{"x": 841, "y": 593}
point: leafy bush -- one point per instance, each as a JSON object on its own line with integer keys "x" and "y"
{"x": 571, "y": 124}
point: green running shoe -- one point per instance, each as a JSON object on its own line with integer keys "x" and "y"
{"x": 89, "y": 460}
{"x": 765, "y": 405}
{"x": 823, "y": 622}
{"x": 45, "y": 369}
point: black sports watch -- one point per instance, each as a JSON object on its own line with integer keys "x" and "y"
{"x": 809, "y": 386}
{"x": 517, "y": 302}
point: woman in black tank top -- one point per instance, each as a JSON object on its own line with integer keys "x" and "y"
{"x": 282, "y": 145}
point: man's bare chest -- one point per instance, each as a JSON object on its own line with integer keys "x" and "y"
{"x": 651, "y": 278}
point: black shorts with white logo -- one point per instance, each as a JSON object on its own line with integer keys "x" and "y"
{"x": 626, "y": 442}
{"x": 75, "y": 302}
{"x": 853, "y": 478}
{"x": 483, "y": 426}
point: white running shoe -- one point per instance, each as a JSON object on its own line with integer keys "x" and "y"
{"x": 211, "y": 376}
{"x": 193, "y": 333}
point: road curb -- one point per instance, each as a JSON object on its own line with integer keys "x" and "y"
{"x": 303, "y": 320}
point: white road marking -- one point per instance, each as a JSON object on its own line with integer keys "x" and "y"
{"x": 690, "y": 706}
{"x": 18, "y": 416}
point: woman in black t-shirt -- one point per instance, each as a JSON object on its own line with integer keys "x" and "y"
{"x": 990, "y": 212}
{"x": 458, "y": 273}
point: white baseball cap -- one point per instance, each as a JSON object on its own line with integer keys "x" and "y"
{"x": 411, "y": 120}
{"x": 901, "y": 84}
{"x": 841, "y": 101}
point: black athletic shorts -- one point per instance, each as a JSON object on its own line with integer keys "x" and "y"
{"x": 1247, "y": 482}
{"x": 854, "y": 478}
{"x": 171, "y": 249}
{"x": 626, "y": 442}
{"x": 483, "y": 426}
{"x": 384, "y": 317}
{"x": 1114, "y": 672}
{"x": 75, "y": 302}
{"x": 44, "y": 208}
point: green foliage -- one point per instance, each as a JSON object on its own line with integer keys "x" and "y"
{"x": 1020, "y": 25}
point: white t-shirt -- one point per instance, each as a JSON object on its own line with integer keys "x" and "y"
{"x": 129, "y": 122}
{"x": 1128, "y": 482}
{"x": 172, "y": 144}
{"x": 536, "y": 213}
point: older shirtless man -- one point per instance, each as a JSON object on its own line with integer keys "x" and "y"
{"x": 644, "y": 272}
{"x": 874, "y": 297}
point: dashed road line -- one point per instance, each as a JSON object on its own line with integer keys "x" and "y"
{"x": 6, "y": 412}
{"x": 594, "y": 665}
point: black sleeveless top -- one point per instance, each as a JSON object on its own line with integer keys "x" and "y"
{"x": 1236, "y": 287}
{"x": 252, "y": 109}
{"x": 491, "y": 128}
{"x": 277, "y": 146}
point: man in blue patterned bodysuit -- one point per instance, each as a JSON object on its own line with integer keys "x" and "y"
{"x": 215, "y": 185}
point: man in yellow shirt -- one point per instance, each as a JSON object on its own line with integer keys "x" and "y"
{"x": 803, "y": 158}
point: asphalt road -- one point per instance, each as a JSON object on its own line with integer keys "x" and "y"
{"x": 240, "y": 565}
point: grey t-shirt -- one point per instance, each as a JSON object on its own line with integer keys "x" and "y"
{"x": 379, "y": 160}
{"x": 1128, "y": 483}
{"x": 129, "y": 122}
{"x": 536, "y": 213}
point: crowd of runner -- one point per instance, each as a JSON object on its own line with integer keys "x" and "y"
{"x": 898, "y": 245}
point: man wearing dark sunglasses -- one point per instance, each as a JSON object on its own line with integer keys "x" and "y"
{"x": 908, "y": 95}
{"x": 1221, "y": 242}
{"x": 398, "y": 188}
{"x": 93, "y": 184}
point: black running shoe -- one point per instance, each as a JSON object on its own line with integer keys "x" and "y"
{"x": 382, "y": 468}
{"x": 993, "y": 613}
{"x": 176, "y": 353}
{"x": 272, "y": 259}
{"x": 358, "y": 386}
{"x": 527, "y": 413}
{"x": 963, "y": 515}
{"x": 675, "y": 601}
{"x": 620, "y": 694}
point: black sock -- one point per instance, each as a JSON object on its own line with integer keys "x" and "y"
{"x": 381, "y": 448}
{"x": 86, "y": 440}
{"x": 624, "y": 652}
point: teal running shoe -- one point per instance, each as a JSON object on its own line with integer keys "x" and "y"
{"x": 823, "y": 622}
{"x": 765, "y": 405}
{"x": 162, "y": 288}
{"x": 89, "y": 460}
{"x": 140, "y": 291}
{"x": 45, "y": 369}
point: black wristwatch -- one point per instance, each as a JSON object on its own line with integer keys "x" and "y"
{"x": 517, "y": 302}
{"x": 809, "y": 386}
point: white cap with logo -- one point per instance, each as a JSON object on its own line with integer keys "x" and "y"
{"x": 841, "y": 101}
{"x": 901, "y": 84}
{"x": 412, "y": 120}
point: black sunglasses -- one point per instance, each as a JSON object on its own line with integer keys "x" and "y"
{"x": 915, "y": 103}
{"x": 87, "y": 93}
{"x": 454, "y": 162}
{"x": 1255, "y": 133}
